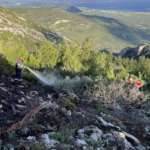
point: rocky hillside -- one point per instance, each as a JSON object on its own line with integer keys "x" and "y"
{"x": 136, "y": 52}
{"x": 34, "y": 117}
{"x": 12, "y": 26}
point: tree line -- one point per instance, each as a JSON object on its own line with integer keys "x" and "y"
{"x": 75, "y": 59}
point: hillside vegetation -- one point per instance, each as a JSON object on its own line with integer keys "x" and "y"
{"x": 23, "y": 38}
{"x": 106, "y": 31}
{"x": 72, "y": 59}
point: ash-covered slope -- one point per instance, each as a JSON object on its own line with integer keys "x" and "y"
{"x": 58, "y": 125}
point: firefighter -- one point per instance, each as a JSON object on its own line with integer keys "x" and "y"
{"x": 137, "y": 86}
{"x": 19, "y": 68}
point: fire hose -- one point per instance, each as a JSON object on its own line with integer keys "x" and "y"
{"x": 94, "y": 115}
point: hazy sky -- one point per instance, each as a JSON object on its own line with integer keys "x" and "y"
{"x": 74, "y": 1}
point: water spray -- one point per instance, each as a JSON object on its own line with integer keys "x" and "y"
{"x": 50, "y": 78}
{"x": 38, "y": 75}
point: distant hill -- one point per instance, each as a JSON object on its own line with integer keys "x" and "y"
{"x": 66, "y": 7}
{"x": 106, "y": 32}
{"x": 69, "y": 8}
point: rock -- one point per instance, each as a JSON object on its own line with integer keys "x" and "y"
{"x": 80, "y": 143}
{"x": 109, "y": 138}
{"x": 117, "y": 138}
{"x": 10, "y": 79}
{"x": 84, "y": 148}
{"x": 69, "y": 112}
{"x": 139, "y": 49}
{"x": 21, "y": 92}
{"x": 20, "y": 86}
{"x": 94, "y": 137}
{"x": 106, "y": 124}
{"x": 64, "y": 110}
{"x": 2, "y": 84}
{"x": 91, "y": 133}
{"x": 4, "y": 102}
{"x": 1, "y": 106}
{"x": 22, "y": 100}
{"x": 133, "y": 140}
{"x": 24, "y": 130}
{"x": 140, "y": 147}
{"x": 19, "y": 101}
{"x": 33, "y": 93}
{"x": 54, "y": 105}
{"x": 3, "y": 89}
{"x": 49, "y": 96}
{"x": 49, "y": 128}
{"x": 28, "y": 97}
{"x": 41, "y": 99}
{"x": 48, "y": 142}
{"x": 51, "y": 134}
{"x": 31, "y": 138}
{"x": 73, "y": 96}
{"x": 124, "y": 51}
{"x": 98, "y": 148}
{"x": 121, "y": 140}
{"x": 148, "y": 148}
{"x": 20, "y": 106}
{"x": 11, "y": 148}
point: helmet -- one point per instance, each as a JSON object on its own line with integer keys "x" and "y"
{"x": 138, "y": 83}
{"x": 20, "y": 59}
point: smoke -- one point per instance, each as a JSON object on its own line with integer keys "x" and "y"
{"x": 53, "y": 79}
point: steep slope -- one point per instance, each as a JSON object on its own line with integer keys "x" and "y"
{"x": 16, "y": 28}
{"x": 106, "y": 32}
{"x": 36, "y": 117}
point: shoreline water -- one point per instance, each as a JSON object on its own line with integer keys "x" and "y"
{"x": 116, "y": 6}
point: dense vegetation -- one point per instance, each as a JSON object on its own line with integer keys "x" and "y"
{"x": 111, "y": 31}
{"x": 75, "y": 59}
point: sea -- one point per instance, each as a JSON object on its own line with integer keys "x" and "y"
{"x": 138, "y": 6}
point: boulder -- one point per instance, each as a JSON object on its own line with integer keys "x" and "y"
{"x": 106, "y": 124}
{"x": 118, "y": 139}
{"x": 1, "y": 106}
{"x": 80, "y": 143}
{"x": 49, "y": 143}
{"x": 133, "y": 140}
{"x": 21, "y": 106}
{"x": 91, "y": 133}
